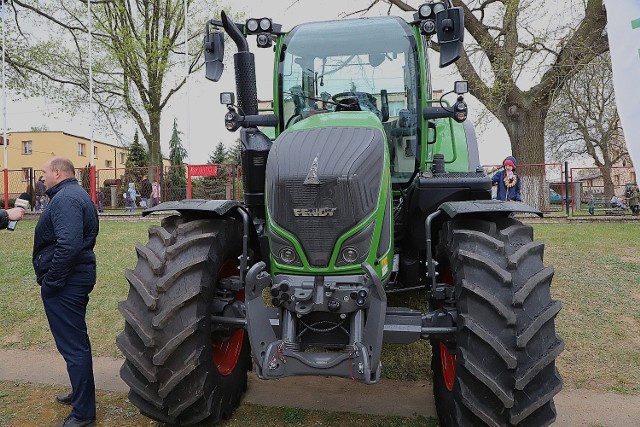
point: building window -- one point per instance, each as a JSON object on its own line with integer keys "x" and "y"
{"x": 81, "y": 149}
{"x": 95, "y": 151}
{"x": 123, "y": 158}
{"x": 26, "y": 147}
{"x": 108, "y": 164}
{"x": 26, "y": 174}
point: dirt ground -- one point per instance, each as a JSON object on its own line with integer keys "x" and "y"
{"x": 575, "y": 407}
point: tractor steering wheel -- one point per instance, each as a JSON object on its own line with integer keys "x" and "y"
{"x": 359, "y": 95}
{"x": 365, "y": 101}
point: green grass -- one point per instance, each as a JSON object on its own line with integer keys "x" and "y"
{"x": 597, "y": 276}
{"x": 28, "y": 405}
{"x": 23, "y": 324}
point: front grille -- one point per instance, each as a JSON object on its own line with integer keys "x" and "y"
{"x": 350, "y": 162}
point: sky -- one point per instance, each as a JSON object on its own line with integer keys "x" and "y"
{"x": 198, "y": 111}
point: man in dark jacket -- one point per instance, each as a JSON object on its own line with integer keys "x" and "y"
{"x": 145, "y": 191}
{"x": 65, "y": 268}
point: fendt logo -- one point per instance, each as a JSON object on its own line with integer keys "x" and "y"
{"x": 312, "y": 176}
{"x": 314, "y": 212}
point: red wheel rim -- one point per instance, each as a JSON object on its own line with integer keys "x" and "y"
{"x": 227, "y": 353}
{"x": 447, "y": 360}
{"x": 448, "y": 363}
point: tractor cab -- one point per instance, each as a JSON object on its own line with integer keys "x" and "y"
{"x": 368, "y": 65}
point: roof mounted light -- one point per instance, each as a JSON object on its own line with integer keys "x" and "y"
{"x": 252, "y": 25}
{"x": 438, "y": 7}
{"x": 259, "y": 25}
{"x": 263, "y": 40}
{"x": 424, "y": 11}
{"x": 428, "y": 27}
{"x": 426, "y": 16}
{"x": 265, "y": 24}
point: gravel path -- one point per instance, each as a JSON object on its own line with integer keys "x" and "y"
{"x": 579, "y": 408}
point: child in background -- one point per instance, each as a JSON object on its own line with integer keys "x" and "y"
{"x": 508, "y": 181}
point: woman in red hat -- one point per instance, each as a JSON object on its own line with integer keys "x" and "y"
{"x": 508, "y": 181}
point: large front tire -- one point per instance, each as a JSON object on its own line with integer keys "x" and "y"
{"x": 501, "y": 369}
{"x": 179, "y": 367}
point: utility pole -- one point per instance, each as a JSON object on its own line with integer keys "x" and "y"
{"x": 92, "y": 173}
{"x": 5, "y": 174}
{"x": 4, "y": 85}
{"x": 186, "y": 75}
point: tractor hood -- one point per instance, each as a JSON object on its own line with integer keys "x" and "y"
{"x": 324, "y": 177}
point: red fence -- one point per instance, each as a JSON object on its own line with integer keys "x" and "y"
{"x": 107, "y": 187}
{"x": 15, "y": 183}
{"x": 543, "y": 185}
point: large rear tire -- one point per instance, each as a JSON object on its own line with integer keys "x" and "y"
{"x": 500, "y": 371}
{"x": 180, "y": 368}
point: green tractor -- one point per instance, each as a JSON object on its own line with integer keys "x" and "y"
{"x": 365, "y": 187}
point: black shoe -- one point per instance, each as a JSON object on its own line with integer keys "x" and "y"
{"x": 65, "y": 399}
{"x": 72, "y": 421}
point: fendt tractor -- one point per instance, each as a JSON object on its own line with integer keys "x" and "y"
{"x": 357, "y": 185}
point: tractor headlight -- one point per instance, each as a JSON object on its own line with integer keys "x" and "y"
{"x": 349, "y": 255}
{"x": 356, "y": 248}
{"x": 287, "y": 255}
{"x": 283, "y": 251}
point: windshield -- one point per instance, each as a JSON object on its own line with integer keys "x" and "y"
{"x": 371, "y": 62}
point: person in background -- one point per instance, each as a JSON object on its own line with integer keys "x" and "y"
{"x": 508, "y": 181}
{"x": 65, "y": 267}
{"x": 130, "y": 197}
{"x": 100, "y": 200}
{"x": 41, "y": 197}
{"x": 634, "y": 200}
{"x": 155, "y": 193}
{"x": 145, "y": 192}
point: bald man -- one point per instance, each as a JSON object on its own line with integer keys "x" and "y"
{"x": 65, "y": 267}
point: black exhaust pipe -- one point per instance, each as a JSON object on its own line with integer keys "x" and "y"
{"x": 255, "y": 145}
{"x": 245, "y": 68}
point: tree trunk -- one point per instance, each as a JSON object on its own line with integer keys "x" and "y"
{"x": 609, "y": 190}
{"x": 525, "y": 127}
{"x": 155, "y": 150}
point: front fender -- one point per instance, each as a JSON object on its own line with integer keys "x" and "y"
{"x": 486, "y": 206}
{"x": 217, "y": 207}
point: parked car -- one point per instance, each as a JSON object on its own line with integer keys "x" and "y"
{"x": 555, "y": 198}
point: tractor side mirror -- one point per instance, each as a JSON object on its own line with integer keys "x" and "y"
{"x": 214, "y": 55}
{"x": 450, "y": 30}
